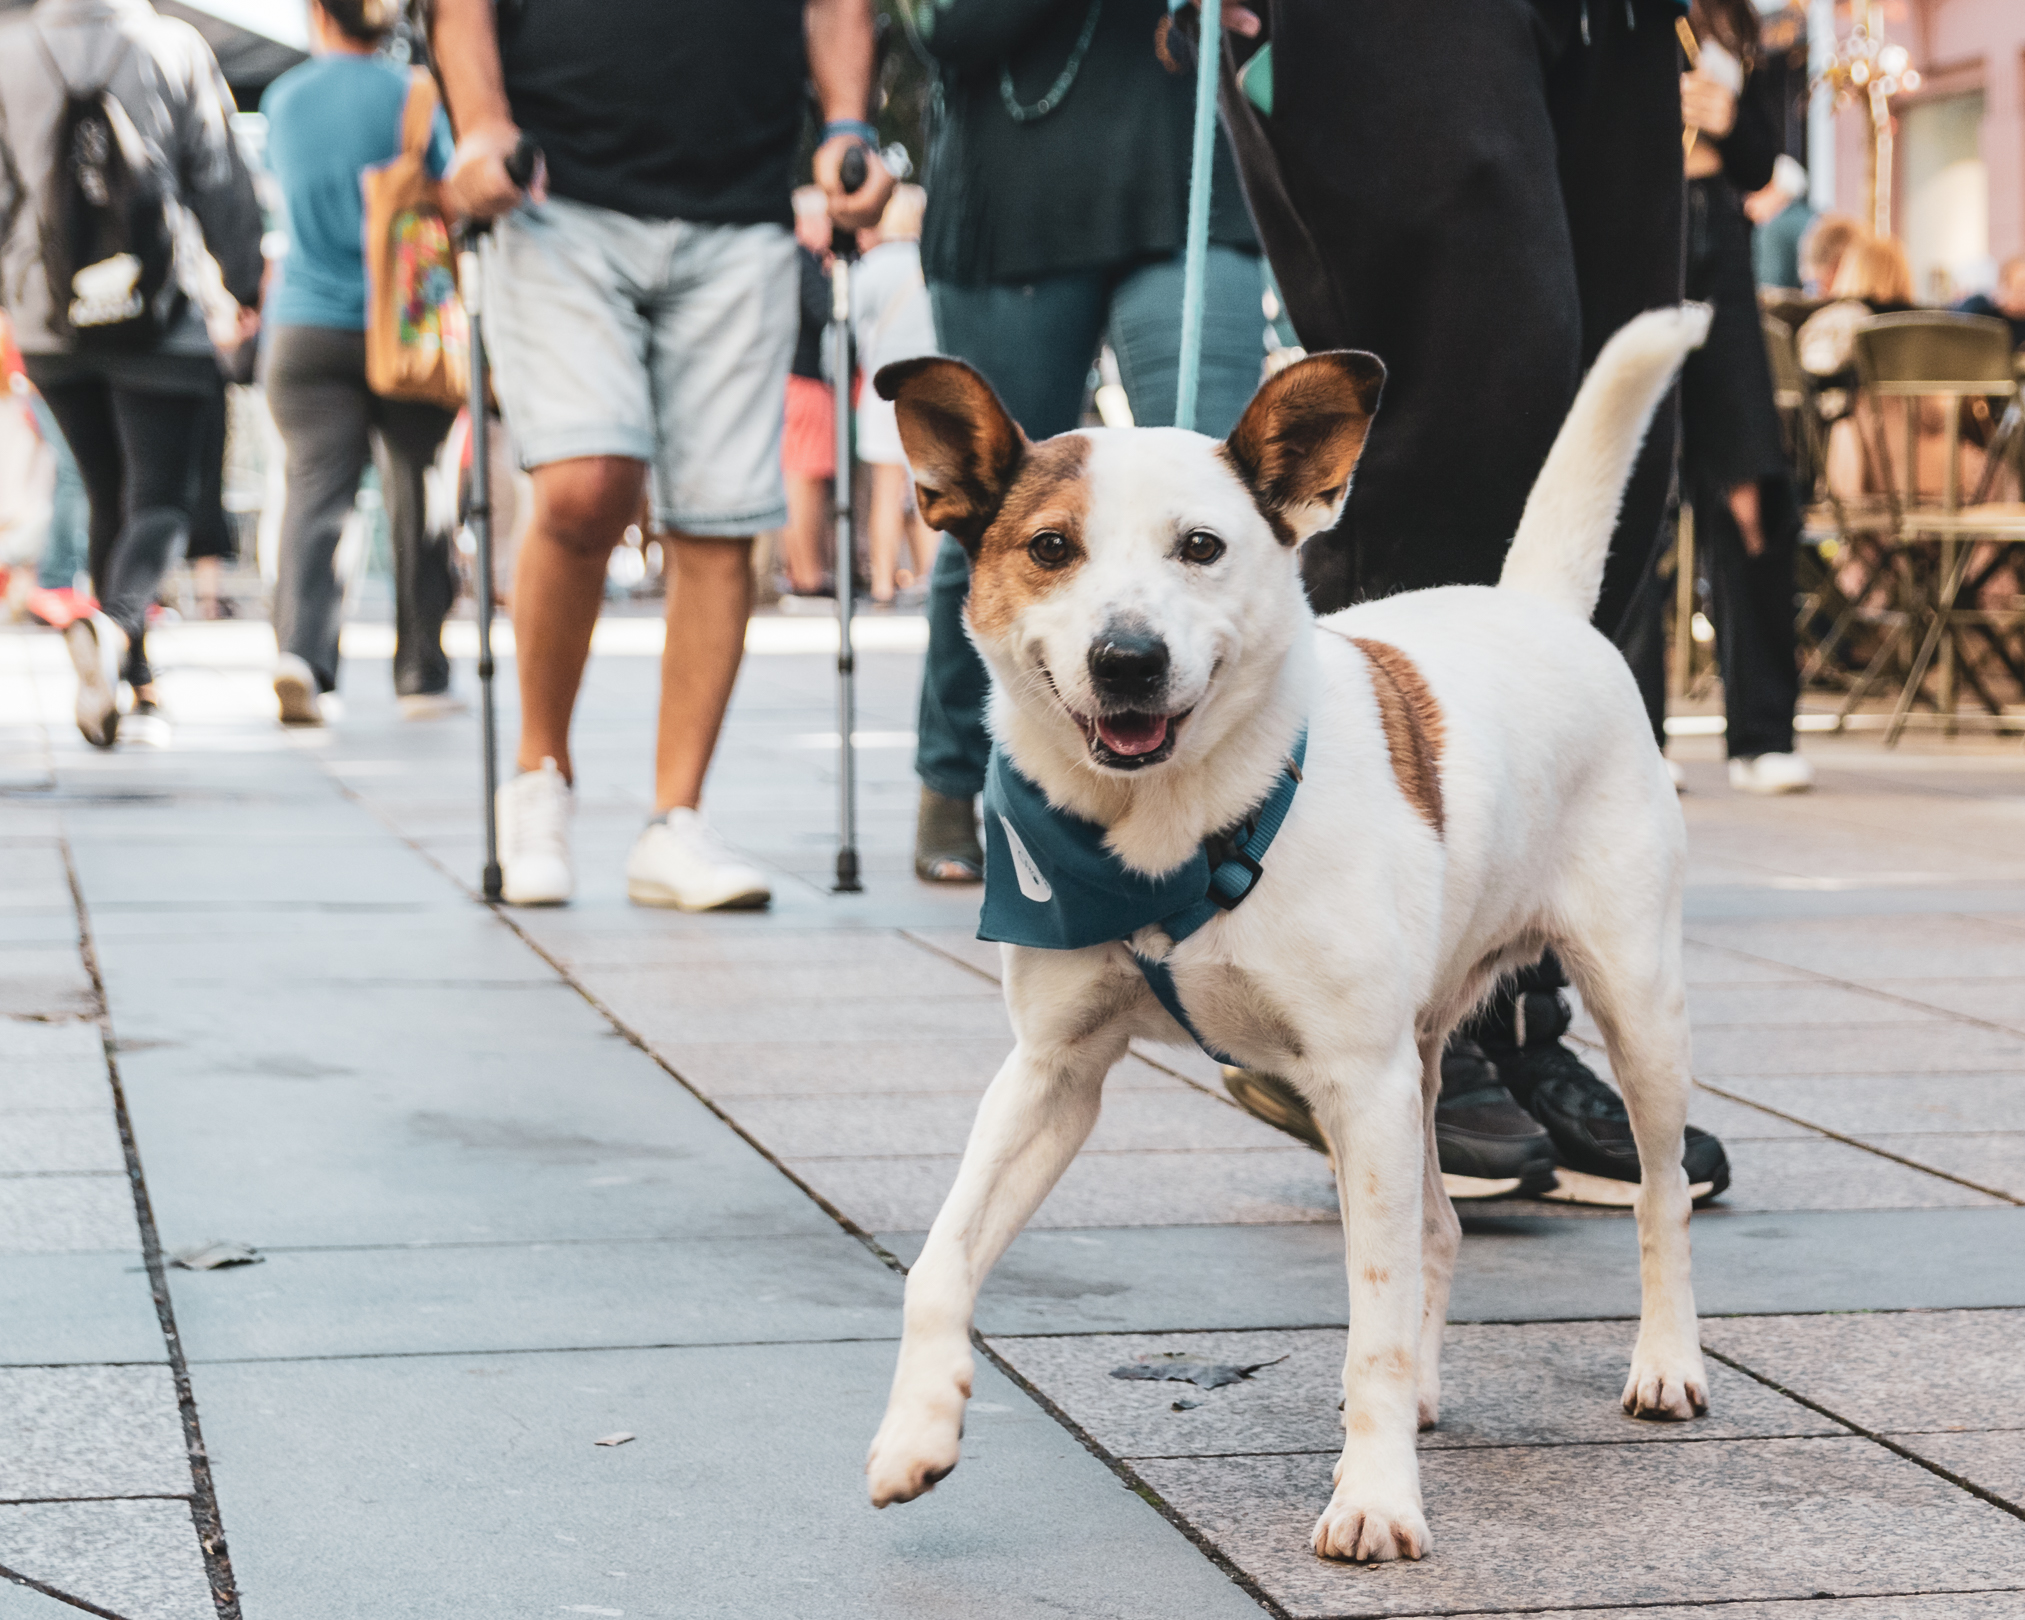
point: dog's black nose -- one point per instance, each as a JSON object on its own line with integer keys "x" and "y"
{"x": 1129, "y": 666}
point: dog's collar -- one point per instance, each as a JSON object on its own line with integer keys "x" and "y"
{"x": 1050, "y": 883}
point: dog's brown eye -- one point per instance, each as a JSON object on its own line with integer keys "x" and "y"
{"x": 1049, "y": 549}
{"x": 1201, "y": 547}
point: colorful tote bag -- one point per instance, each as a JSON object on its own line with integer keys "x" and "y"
{"x": 418, "y": 343}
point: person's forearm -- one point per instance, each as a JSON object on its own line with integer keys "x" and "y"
{"x": 464, "y": 44}
{"x": 840, "y": 40}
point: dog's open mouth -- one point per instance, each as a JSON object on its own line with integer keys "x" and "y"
{"x": 1131, "y": 738}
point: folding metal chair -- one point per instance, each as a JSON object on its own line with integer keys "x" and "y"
{"x": 1923, "y": 356}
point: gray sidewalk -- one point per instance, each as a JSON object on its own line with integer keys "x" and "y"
{"x": 522, "y": 1181}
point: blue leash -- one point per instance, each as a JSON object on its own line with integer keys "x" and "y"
{"x": 1195, "y": 257}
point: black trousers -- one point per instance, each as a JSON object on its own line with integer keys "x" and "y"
{"x": 1479, "y": 193}
{"x": 136, "y": 452}
{"x": 329, "y": 422}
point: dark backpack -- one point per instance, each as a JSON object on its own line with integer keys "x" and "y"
{"x": 108, "y": 247}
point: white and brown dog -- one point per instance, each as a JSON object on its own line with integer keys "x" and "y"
{"x": 1480, "y": 783}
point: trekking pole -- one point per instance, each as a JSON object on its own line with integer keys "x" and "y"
{"x": 844, "y": 249}
{"x": 471, "y": 288}
{"x": 1195, "y": 255}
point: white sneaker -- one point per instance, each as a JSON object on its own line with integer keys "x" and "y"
{"x": 680, "y": 861}
{"x": 430, "y": 705}
{"x": 295, "y": 690}
{"x": 96, "y": 645}
{"x": 146, "y": 727}
{"x": 534, "y": 838}
{"x": 1771, "y": 773}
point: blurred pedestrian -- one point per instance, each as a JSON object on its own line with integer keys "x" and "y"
{"x": 808, "y": 451}
{"x": 1822, "y": 248}
{"x": 328, "y": 120}
{"x": 891, "y": 320}
{"x": 1531, "y": 202}
{"x": 641, "y": 314}
{"x": 1734, "y": 470}
{"x": 2006, "y": 302}
{"x": 116, "y": 120}
{"x": 60, "y": 568}
{"x": 1781, "y": 215}
{"x": 1057, "y": 202}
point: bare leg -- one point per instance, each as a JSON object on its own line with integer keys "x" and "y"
{"x": 1034, "y": 1117}
{"x": 1440, "y": 1240}
{"x": 1635, "y": 989}
{"x": 1373, "y": 1111}
{"x": 581, "y": 508}
{"x": 1744, "y": 508}
{"x": 888, "y": 525}
{"x": 709, "y": 600}
{"x": 801, "y": 542}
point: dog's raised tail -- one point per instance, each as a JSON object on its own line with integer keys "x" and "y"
{"x": 1565, "y": 531}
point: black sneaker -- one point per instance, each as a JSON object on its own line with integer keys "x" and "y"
{"x": 1490, "y": 1147}
{"x": 1585, "y": 1116}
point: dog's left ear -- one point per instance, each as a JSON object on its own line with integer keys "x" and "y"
{"x": 963, "y": 445}
{"x": 1299, "y": 439}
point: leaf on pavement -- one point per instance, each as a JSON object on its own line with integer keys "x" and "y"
{"x": 618, "y": 1439}
{"x": 1175, "y": 1366}
{"x": 210, "y": 1256}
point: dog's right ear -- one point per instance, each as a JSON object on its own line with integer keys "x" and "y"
{"x": 1299, "y": 439}
{"x": 963, "y": 446}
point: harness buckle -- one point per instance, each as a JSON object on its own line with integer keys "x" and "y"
{"x": 1233, "y": 853}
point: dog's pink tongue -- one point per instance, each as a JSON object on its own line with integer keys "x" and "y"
{"x": 1130, "y": 733}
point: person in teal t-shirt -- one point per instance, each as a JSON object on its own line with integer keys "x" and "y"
{"x": 329, "y": 120}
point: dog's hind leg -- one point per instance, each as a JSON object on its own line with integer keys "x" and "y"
{"x": 1440, "y": 1239}
{"x": 1629, "y": 972}
{"x": 1033, "y": 1119}
{"x": 1372, "y": 1109}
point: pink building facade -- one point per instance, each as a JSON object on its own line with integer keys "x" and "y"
{"x": 1958, "y": 170}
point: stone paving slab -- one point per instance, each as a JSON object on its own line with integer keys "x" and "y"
{"x": 1867, "y": 1105}
{"x": 1531, "y": 1527}
{"x": 475, "y": 1483}
{"x": 138, "y": 1559}
{"x": 1913, "y": 1370}
{"x": 1503, "y": 1384}
{"x": 1871, "y": 948}
{"x": 1996, "y": 1160}
{"x": 54, "y": 1142}
{"x": 90, "y": 1432}
{"x": 1998, "y": 1001}
{"x": 460, "y": 1298}
{"x": 57, "y": 1308}
{"x": 1914, "y": 1048}
{"x": 1167, "y": 1117}
{"x": 1511, "y": 1268}
{"x": 1821, "y": 1174}
{"x": 18, "y": 1602}
{"x": 67, "y": 1214}
{"x": 1259, "y": 1186}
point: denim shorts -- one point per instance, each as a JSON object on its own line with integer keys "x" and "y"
{"x": 659, "y": 340}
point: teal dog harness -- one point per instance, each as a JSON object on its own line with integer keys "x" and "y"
{"x": 1050, "y": 883}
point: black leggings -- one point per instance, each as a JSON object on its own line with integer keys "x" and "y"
{"x": 136, "y": 454}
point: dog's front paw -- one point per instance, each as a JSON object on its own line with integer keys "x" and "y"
{"x": 1371, "y": 1526}
{"x": 916, "y": 1446}
{"x": 1667, "y": 1386}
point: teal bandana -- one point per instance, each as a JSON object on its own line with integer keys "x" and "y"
{"x": 1050, "y": 883}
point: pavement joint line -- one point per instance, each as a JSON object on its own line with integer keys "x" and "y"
{"x": 538, "y": 1350}
{"x": 1507, "y": 1612}
{"x": 120, "y": 1496}
{"x": 1873, "y": 1435}
{"x": 204, "y": 1505}
{"x": 1131, "y": 1479}
{"x": 1868, "y": 1147}
{"x": 1484, "y": 1445}
{"x": 34, "y": 1585}
{"x": 624, "y": 1030}
{"x": 1851, "y": 984}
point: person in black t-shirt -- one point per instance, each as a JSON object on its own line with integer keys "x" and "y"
{"x": 641, "y": 312}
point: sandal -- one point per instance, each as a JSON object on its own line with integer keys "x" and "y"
{"x": 946, "y": 849}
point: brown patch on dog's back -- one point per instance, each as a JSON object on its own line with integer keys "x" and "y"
{"x": 1049, "y": 493}
{"x": 1412, "y": 721}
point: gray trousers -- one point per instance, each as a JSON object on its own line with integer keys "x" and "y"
{"x": 329, "y": 422}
